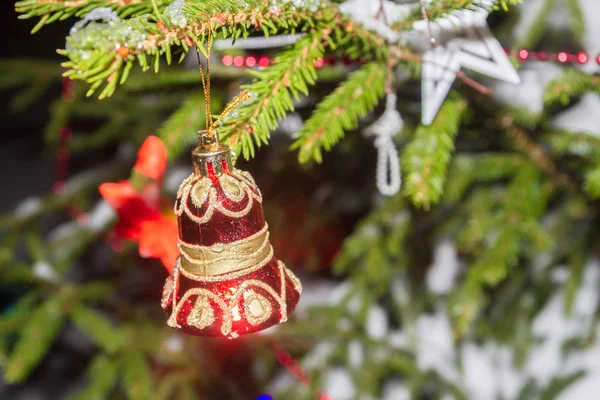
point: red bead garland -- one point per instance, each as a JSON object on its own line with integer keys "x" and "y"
{"x": 522, "y": 55}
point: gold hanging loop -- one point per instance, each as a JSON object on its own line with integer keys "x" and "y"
{"x": 208, "y": 138}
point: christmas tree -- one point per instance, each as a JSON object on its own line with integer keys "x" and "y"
{"x": 430, "y": 170}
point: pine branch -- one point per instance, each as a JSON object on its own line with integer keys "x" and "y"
{"x": 37, "y": 334}
{"x": 426, "y": 157}
{"x": 104, "y": 54}
{"x": 12, "y": 321}
{"x": 573, "y": 83}
{"x": 467, "y": 170}
{"x": 340, "y": 111}
{"x": 579, "y": 144}
{"x": 273, "y": 92}
{"x": 102, "y": 375}
{"x": 577, "y": 20}
{"x": 442, "y": 8}
{"x": 537, "y": 28}
{"x": 592, "y": 181}
{"x": 98, "y": 328}
{"x": 538, "y": 155}
{"x": 59, "y": 10}
{"x": 525, "y": 201}
{"x": 137, "y": 378}
{"x": 183, "y": 125}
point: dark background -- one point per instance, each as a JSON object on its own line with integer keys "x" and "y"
{"x": 27, "y": 167}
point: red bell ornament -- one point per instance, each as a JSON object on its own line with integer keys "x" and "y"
{"x": 227, "y": 281}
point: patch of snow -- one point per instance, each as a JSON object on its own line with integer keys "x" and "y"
{"x": 510, "y": 380}
{"x": 339, "y": 292}
{"x": 320, "y": 293}
{"x": 291, "y": 125}
{"x": 529, "y": 94}
{"x": 44, "y": 270}
{"x": 174, "y": 177}
{"x": 479, "y": 372}
{"x": 560, "y": 274}
{"x": 175, "y": 13}
{"x": 585, "y": 388}
{"x": 174, "y": 343}
{"x": 400, "y": 291}
{"x": 356, "y": 353}
{"x": 435, "y": 345}
{"x": 395, "y": 390}
{"x": 397, "y": 339}
{"x": 442, "y": 274}
{"x": 99, "y": 14}
{"x": 377, "y": 322}
{"x": 582, "y": 117}
{"x": 338, "y": 382}
{"x": 591, "y": 10}
{"x": 318, "y": 356}
{"x": 283, "y": 381}
{"x": 28, "y": 207}
{"x": 100, "y": 216}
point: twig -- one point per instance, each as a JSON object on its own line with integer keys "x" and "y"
{"x": 481, "y": 88}
{"x": 426, "y": 18}
{"x": 538, "y": 155}
{"x": 402, "y": 55}
{"x": 381, "y": 12}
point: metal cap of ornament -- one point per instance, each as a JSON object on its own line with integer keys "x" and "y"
{"x": 227, "y": 281}
{"x": 388, "y": 165}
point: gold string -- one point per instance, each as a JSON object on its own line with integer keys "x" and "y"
{"x": 243, "y": 96}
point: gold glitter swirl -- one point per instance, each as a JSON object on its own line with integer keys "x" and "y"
{"x": 253, "y": 313}
{"x": 236, "y": 187}
{"x": 202, "y": 315}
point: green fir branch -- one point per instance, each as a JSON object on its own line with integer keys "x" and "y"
{"x": 273, "y": 93}
{"x": 341, "y": 111}
{"x": 103, "y": 54}
{"x": 537, "y": 27}
{"x": 11, "y": 321}
{"x": 579, "y": 144}
{"x": 442, "y": 8}
{"x": 102, "y": 375}
{"x": 525, "y": 202}
{"x": 426, "y": 157}
{"x": 137, "y": 378}
{"x": 180, "y": 129}
{"x": 98, "y": 328}
{"x": 592, "y": 181}
{"x": 570, "y": 85}
{"x": 38, "y": 332}
{"x": 468, "y": 169}
{"x": 576, "y": 19}
{"x": 59, "y": 10}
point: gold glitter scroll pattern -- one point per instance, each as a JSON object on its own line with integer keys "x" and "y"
{"x": 236, "y": 186}
{"x": 170, "y": 289}
{"x": 202, "y": 315}
{"x": 257, "y": 307}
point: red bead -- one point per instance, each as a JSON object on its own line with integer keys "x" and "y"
{"x": 238, "y": 61}
{"x": 227, "y": 60}
{"x": 263, "y": 61}
{"x": 523, "y": 54}
{"x": 250, "y": 61}
{"x": 582, "y": 57}
{"x": 562, "y": 57}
